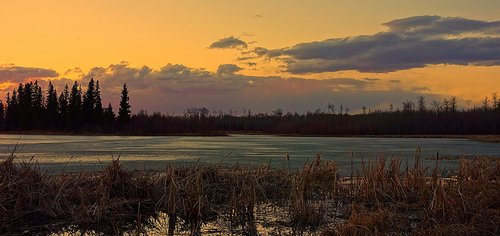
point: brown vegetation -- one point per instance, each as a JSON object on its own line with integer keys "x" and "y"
{"x": 383, "y": 198}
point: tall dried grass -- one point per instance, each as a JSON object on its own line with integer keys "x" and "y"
{"x": 383, "y": 198}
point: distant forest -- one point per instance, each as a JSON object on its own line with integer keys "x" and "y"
{"x": 29, "y": 109}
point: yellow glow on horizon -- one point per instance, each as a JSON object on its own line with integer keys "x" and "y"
{"x": 5, "y": 86}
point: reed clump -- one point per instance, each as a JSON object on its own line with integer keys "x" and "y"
{"x": 417, "y": 200}
{"x": 316, "y": 182}
{"x": 382, "y": 198}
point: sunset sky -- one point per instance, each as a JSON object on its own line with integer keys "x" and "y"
{"x": 258, "y": 55}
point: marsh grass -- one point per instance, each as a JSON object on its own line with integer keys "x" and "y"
{"x": 383, "y": 198}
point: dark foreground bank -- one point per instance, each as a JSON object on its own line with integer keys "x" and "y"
{"x": 385, "y": 196}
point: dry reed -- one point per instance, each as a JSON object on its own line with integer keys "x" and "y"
{"x": 382, "y": 199}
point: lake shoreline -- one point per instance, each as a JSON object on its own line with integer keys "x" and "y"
{"x": 478, "y": 138}
{"x": 114, "y": 134}
{"x": 474, "y": 137}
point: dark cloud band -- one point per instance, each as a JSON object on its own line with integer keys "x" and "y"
{"x": 409, "y": 43}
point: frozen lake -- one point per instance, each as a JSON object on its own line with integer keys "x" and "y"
{"x": 73, "y": 153}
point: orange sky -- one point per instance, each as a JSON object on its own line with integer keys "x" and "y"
{"x": 62, "y": 35}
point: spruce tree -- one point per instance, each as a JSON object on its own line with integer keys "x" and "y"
{"x": 98, "y": 110}
{"x": 52, "y": 106}
{"x": 108, "y": 112}
{"x": 89, "y": 102}
{"x": 12, "y": 113}
{"x": 124, "y": 111}
{"x": 25, "y": 96}
{"x": 37, "y": 98}
{"x": 2, "y": 115}
{"x": 63, "y": 108}
{"x": 75, "y": 106}
{"x": 108, "y": 119}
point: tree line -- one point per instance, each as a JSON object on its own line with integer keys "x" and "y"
{"x": 411, "y": 118}
{"x": 28, "y": 108}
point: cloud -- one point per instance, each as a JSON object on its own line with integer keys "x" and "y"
{"x": 74, "y": 71}
{"x": 229, "y": 42}
{"x": 171, "y": 78}
{"x": 246, "y": 58}
{"x": 437, "y": 25}
{"x": 228, "y": 69}
{"x": 408, "y": 43}
{"x": 175, "y": 87}
{"x": 18, "y": 74}
{"x": 253, "y": 54}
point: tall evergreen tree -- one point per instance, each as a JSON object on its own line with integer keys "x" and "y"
{"x": 124, "y": 111}
{"x": 37, "y": 94}
{"x": 108, "y": 112}
{"x": 108, "y": 119}
{"x": 52, "y": 106}
{"x": 92, "y": 103}
{"x": 25, "y": 97}
{"x": 2, "y": 115}
{"x": 75, "y": 106}
{"x": 12, "y": 113}
{"x": 89, "y": 102}
{"x": 63, "y": 108}
{"x": 98, "y": 110}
